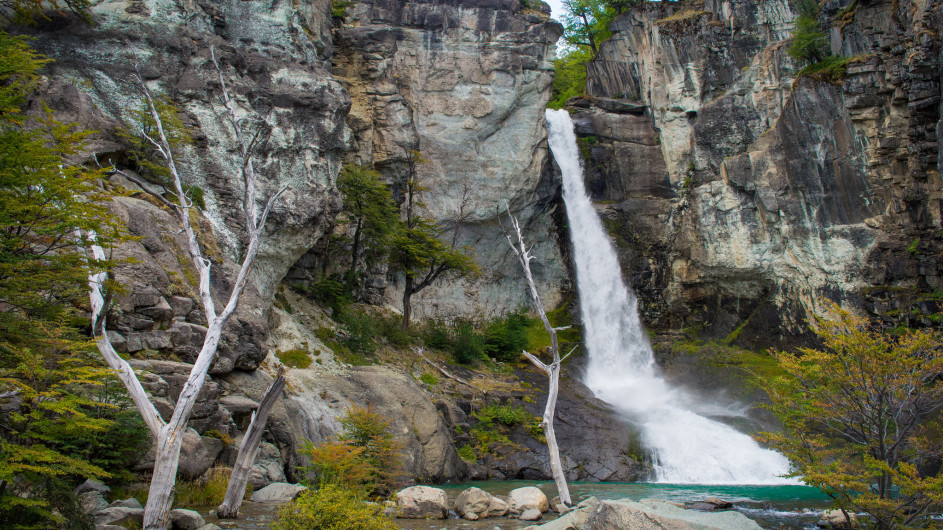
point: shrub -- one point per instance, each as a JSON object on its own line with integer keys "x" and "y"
{"x": 508, "y": 415}
{"x": 467, "y": 452}
{"x": 506, "y": 338}
{"x": 365, "y": 457}
{"x": 429, "y": 379}
{"x": 331, "y": 507}
{"x": 329, "y": 291}
{"x": 208, "y": 492}
{"x": 361, "y": 331}
{"x": 809, "y": 43}
{"x": 468, "y": 346}
{"x": 294, "y": 358}
{"x": 437, "y": 336}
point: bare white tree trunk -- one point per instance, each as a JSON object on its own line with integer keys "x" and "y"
{"x": 169, "y": 434}
{"x": 248, "y": 450}
{"x": 552, "y": 370}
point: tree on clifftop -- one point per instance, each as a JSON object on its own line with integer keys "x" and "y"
{"x": 861, "y": 419}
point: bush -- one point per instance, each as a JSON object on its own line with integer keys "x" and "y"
{"x": 365, "y": 457}
{"x": 210, "y": 492}
{"x": 505, "y": 339}
{"x": 569, "y": 78}
{"x": 331, "y": 507}
{"x": 294, "y": 358}
{"x": 361, "y": 331}
{"x": 429, "y": 379}
{"x": 469, "y": 346}
{"x": 437, "y": 336}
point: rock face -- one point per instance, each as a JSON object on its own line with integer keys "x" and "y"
{"x": 772, "y": 192}
{"x": 465, "y": 85}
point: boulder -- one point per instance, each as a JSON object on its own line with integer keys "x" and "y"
{"x": 126, "y": 503}
{"x": 479, "y": 503}
{"x": 91, "y": 485}
{"x": 194, "y": 458}
{"x": 186, "y": 520}
{"x": 119, "y": 516}
{"x": 268, "y": 467}
{"x": 711, "y": 504}
{"x": 278, "y": 492}
{"x": 655, "y": 515}
{"x": 92, "y": 502}
{"x": 531, "y": 514}
{"x": 527, "y": 498}
{"x": 421, "y": 502}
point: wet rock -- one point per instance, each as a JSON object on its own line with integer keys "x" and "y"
{"x": 420, "y": 502}
{"x": 652, "y": 514}
{"x": 530, "y": 515}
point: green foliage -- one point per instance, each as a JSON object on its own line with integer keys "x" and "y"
{"x": 569, "y": 78}
{"x": 294, "y": 358}
{"x": 370, "y": 206}
{"x": 330, "y": 292}
{"x": 467, "y": 453}
{"x": 361, "y": 331}
{"x": 67, "y": 420}
{"x": 429, "y": 379}
{"x": 365, "y": 457}
{"x": 28, "y": 11}
{"x": 914, "y": 247}
{"x": 339, "y": 8}
{"x": 495, "y": 421}
{"x": 586, "y": 23}
{"x": 437, "y": 335}
{"x": 468, "y": 346}
{"x": 860, "y": 418}
{"x": 506, "y": 338}
{"x": 809, "y": 43}
{"x": 331, "y": 507}
{"x": 205, "y": 492}
{"x": 62, "y": 421}
{"x": 832, "y": 69}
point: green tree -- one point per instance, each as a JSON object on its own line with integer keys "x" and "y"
{"x": 421, "y": 255}
{"x": 48, "y": 377}
{"x": 569, "y": 78}
{"x": 809, "y": 44}
{"x": 369, "y": 204}
{"x": 586, "y": 22}
{"x": 365, "y": 457}
{"x": 860, "y": 419}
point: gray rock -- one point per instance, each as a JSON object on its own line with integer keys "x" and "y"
{"x": 126, "y": 503}
{"x": 281, "y": 492}
{"x": 186, "y": 519}
{"x": 480, "y": 503}
{"x": 836, "y": 519}
{"x": 91, "y": 485}
{"x": 92, "y": 502}
{"x": 528, "y": 498}
{"x": 657, "y": 515}
{"x": 119, "y": 516}
{"x": 210, "y": 527}
{"x": 268, "y": 467}
{"x": 530, "y": 514}
{"x": 238, "y": 404}
{"x": 421, "y": 502}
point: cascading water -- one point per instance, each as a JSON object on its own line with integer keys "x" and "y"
{"x": 687, "y": 447}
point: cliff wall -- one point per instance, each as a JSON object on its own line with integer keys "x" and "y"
{"x": 773, "y": 191}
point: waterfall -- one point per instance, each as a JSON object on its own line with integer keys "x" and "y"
{"x": 686, "y": 446}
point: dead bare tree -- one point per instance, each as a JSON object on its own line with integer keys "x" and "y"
{"x": 249, "y": 449}
{"x": 552, "y": 370}
{"x": 169, "y": 433}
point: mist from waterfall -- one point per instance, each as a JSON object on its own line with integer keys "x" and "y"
{"x": 686, "y": 446}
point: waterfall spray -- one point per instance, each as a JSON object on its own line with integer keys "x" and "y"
{"x": 686, "y": 447}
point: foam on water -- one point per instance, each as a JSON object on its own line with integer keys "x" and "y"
{"x": 687, "y": 446}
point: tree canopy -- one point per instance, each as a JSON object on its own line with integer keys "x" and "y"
{"x": 860, "y": 418}
{"x": 57, "y": 424}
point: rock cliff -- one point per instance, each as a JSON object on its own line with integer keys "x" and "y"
{"x": 743, "y": 195}
{"x": 459, "y": 85}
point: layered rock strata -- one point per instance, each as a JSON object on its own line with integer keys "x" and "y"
{"x": 774, "y": 191}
